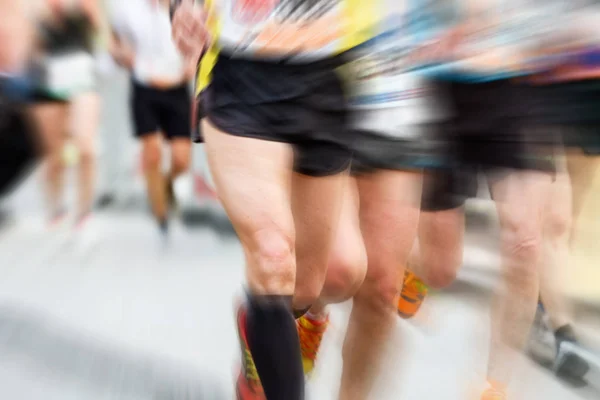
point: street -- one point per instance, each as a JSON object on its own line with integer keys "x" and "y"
{"x": 124, "y": 317}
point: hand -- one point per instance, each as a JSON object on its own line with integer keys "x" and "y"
{"x": 189, "y": 31}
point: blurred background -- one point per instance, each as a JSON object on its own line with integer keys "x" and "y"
{"x": 124, "y": 314}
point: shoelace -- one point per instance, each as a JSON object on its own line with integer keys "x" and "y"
{"x": 310, "y": 339}
{"x": 412, "y": 284}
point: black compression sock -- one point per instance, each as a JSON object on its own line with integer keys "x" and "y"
{"x": 273, "y": 341}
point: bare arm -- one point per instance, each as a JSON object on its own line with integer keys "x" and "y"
{"x": 17, "y": 32}
{"x": 121, "y": 51}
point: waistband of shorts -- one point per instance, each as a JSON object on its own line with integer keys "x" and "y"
{"x": 332, "y": 62}
{"x": 143, "y": 86}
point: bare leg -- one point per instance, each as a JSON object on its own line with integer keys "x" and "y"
{"x": 348, "y": 261}
{"x": 85, "y": 114}
{"x": 318, "y": 229}
{"x": 51, "y": 119}
{"x": 437, "y": 254}
{"x": 389, "y": 215}
{"x": 557, "y": 228}
{"x": 519, "y": 199}
{"x": 582, "y": 169}
{"x": 180, "y": 157}
{"x": 253, "y": 180}
{"x": 155, "y": 182}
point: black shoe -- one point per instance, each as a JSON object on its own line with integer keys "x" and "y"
{"x": 106, "y": 200}
{"x": 568, "y": 364}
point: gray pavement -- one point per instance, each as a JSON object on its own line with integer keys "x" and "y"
{"x": 122, "y": 316}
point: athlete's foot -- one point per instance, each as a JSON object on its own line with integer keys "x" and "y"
{"x": 57, "y": 219}
{"x": 412, "y": 295}
{"x": 163, "y": 229}
{"x": 310, "y": 332}
{"x": 248, "y": 386}
{"x": 493, "y": 394}
{"x": 567, "y": 363}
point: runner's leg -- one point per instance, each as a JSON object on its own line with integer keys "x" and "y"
{"x": 347, "y": 264}
{"x": 519, "y": 198}
{"x": 253, "y": 179}
{"x": 85, "y": 118}
{"x": 557, "y": 227}
{"x": 582, "y": 170}
{"x": 316, "y": 220}
{"x": 437, "y": 253}
{"x": 345, "y": 273}
{"x": 155, "y": 182}
{"x": 52, "y": 122}
{"x": 389, "y": 216}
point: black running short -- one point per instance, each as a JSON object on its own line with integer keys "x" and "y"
{"x": 168, "y": 111}
{"x": 492, "y": 129}
{"x": 302, "y": 105}
{"x": 18, "y": 146}
{"x": 573, "y": 108}
{"x": 198, "y": 116}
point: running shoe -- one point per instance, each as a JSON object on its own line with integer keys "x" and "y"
{"x": 567, "y": 363}
{"x": 311, "y": 334}
{"x": 493, "y": 394}
{"x": 248, "y": 385}
{"x": 58, "y": 219}
{"x": 412, "y": 295}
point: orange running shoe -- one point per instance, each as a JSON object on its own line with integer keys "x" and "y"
{"x": 412, "y": 295}
{"x": 311, "y": 334}
{"x": 248, "y": 386}
{"x": 493, "y": 394}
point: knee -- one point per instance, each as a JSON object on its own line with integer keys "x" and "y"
{"x": 379, "y": 291}
{"x": 180, "y": 163}
{"x": 272, "y": 267}
{"x": 152, "y": 157}
{"x": 87, "y": 155}
{"x": 440, "y": 268}
{"x": 522, "y": 245}
{"x": 54, "y": 162}
{"x": 557, "y": 225}
{"x": 345, "y": 274}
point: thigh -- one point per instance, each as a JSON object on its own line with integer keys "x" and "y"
{"x": 316, "y": 206}
{"x": 152, "y": 143}
{"x": 582, "y": 170}
{"x": 253, "y": 181}
{"x": 51, "y": 119}
{"x": 389, "y": 213}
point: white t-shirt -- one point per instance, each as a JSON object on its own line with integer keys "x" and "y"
{"x": 146, "y": 26}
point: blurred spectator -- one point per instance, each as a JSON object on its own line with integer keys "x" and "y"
{"x": 66, "y": 102}
{"x": 161, "y": 100}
